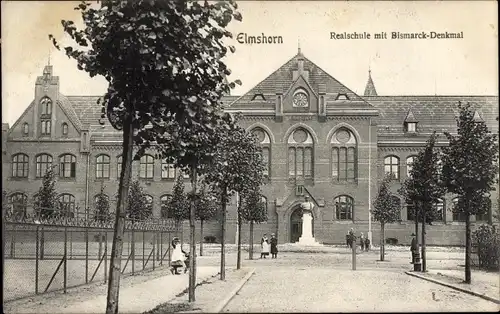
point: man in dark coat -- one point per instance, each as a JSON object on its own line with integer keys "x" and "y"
{"x": 413, "y": 248}
{"x": 274, "y": 246}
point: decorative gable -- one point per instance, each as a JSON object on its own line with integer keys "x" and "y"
{"x": 300, "y": 97}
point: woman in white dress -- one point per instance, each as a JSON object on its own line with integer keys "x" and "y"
{"x": 264, "y": 243}
{"x": 178, "y": 256}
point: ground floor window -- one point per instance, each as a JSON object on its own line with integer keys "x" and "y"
{"x": 344, "y": 207}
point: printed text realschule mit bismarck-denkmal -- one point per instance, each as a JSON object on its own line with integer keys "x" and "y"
{"x": 397, "y": 35}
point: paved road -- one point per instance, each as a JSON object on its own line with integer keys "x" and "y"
{"x": 324, "y": 282}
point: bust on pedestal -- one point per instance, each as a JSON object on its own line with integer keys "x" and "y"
{"x": 307, "y": 221}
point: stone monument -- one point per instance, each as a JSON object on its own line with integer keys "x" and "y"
{"x": 307, "y": 223}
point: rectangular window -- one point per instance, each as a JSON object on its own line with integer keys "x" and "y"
{"x": 291, "y": 162}
{"x": 300, "y": 162}
{"x": 335, "y": 163}
{"x": 343, "y": 164}
{"x": 308, "y": 162}
{"x": 167, "y": 171}
{"x": 412, "y": 127}
{"x": 350, "y": 164}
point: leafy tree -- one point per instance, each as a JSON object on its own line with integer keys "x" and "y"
{"x": 387, "y": 209}
{"x": 102, "y": 213}
{"x": 206, "y": 209}
{"x": 47, "y": 203}
{"x": 254, "y": 210}
{"x": 237, "y": 167}
{"x": 470, "y": 167}
{"x": 424, "y": 188}
{"x": 178, "y": 206}
{"x": 163, "y": 62}
{"x": 138, "y": 205}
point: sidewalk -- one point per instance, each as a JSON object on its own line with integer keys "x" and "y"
{"x": 142, "y": 297}
{"x": 484, "y": 284}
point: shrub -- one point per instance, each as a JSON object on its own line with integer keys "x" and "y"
{"x": 209, "y": 239}
{"x": 391, "y": 241}
{"x": 487, "y": 240}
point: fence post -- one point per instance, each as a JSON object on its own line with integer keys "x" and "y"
{"x": 42, "y": 243}
{"x": 86, "y": 254}
{"x": 354, "y": 253}
{"x": 143, "y": 249}
{"x": 158, "y": 252}
{"x": 37, "y": 251}
{"x": 65, "y": 256}
{"x": 161, "y": 248}
{"x": 154, "y": 249}
{"x": 105, "y": 255}
{"x": 132, "y": 243}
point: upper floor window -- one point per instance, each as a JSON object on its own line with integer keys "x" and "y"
{"x": 391, "y": 166}
{"x": 64, "y": 127}
{"x": 43, "y": 163}
{"x": 344, "y": 156}
{"x": 146, "y": 167}
{"x": 46, "y": 126}
{"x": 167, "y": 170}
{"x": 456, "y": 216}
{"x": 411, "y": 127}
{"x": 344, "y": 207}
{"x": 26, "y": 128}
{"x": 46, "y": 106}
{"x": 300, "y": 98}
{"x": 20, "y": 165}
{"x": 409, "y": 165}
{"x": 19, "y": 203}
{"x": 67, "y": 203}
{"x": 102, "y": 166}
{"x": 300, "y": 154}
{"x": 67, "y": 166}
{"x": 164, "y": 202}
{"x": 439, "y": 208}
{"x": 265, "y": 143}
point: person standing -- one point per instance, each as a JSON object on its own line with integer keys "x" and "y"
{"x": 367, "y": 244}
{"x": 413, "y": 248}
{"x": 362, "y": 241}
{"x": 347, "y": 239}
{"x": 274, "y": 246}
{"x": 264, "y": 244}
{"x": 352, "y": 240}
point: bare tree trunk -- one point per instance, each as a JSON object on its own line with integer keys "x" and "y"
{"x": 424, "y": 258}
{"x": 238, "y": 259}
{"x": 192, "y": 238}
{"x": 467, "y": 249}
{"x": 251, "y": 240}
{"x": 382, "y": 242}
{"x": 117, "y": 248}
{"x": 201, "y": 237}
{"x": 223, "y": 235}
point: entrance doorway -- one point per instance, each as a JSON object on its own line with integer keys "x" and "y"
{"x": 296, "y": 225}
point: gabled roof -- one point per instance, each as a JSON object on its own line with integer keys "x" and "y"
{"x": 410, "y": 117}
{"x": 69, "y": 110}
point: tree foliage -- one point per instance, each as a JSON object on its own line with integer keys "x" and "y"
{"x": 206, "y": 203}
{"x": 470, "y": 162}
{"x": 47, "y": 203}
{"x": 178, "y": 206}
{"x": 139, "y": 208}
{"x": 101, "y": 212}
{"x": 424, "y": 187}
{"x": 387, "y": 207}
{"x": 254, "y": 209}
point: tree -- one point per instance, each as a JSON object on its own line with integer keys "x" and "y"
{"x": 138, "y": 206}
{"x": 254, "y": 211}
{"x": 424, "y": 188}
{"x": 387, "y": 209}
{"x": 470, "y": 168}
{"x": 101, "y": 212}
{"x": 206, "y": 208}
{"x": 178, "y": 206}
{"x": 237, "y": 167}
{"x": 47, "y": 203}
{"x": 163, "y": 62}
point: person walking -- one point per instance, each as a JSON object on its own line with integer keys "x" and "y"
{"x": 367, "y": 244}
{"x": 264, "y": 244}
{"x": 178, "y": 257}
{"x": 362, "y": 241}
{"x": 274, "y": 246}
{"x": 413, "y": 248}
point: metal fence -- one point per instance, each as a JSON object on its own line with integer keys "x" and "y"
{"x": 55, "y": 253}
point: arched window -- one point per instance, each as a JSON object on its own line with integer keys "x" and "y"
{"x": 164, "y": 201}
{"x": 46, "y": 126}
{"x": 300, "y": 154}
{"x": 64, "y": 128}
{"x": 46, "y": 106}
{"x": 45, "y": 116}
{"x": 409, "y": 165}
{"x": 344, "y": 207}
{"x": 439, "y": 207}
{"x": 118, "y": 166}
{"x": 265, "y": 143}
{"x": 146, "y": 167}
{"x": 19, "y": 202}
{"x": 67, "y": 203}
{"x": 20, "y": 165}
{"x": 457, "y": 216}
{"x": 344, "y": 155}
{"x": 43, "y": 163}
{"x": 263, "y": 199}
{"x": 102, "y": 163}
{"x": 391, "y": 166}
{"x": 26, "y": 128}
{"x": 167, "y": 170}
{"x": 67, "y": 166}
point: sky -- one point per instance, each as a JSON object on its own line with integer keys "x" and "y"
{"x": 467, "y": 66}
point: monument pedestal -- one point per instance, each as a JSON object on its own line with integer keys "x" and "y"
{"x": 307, "y": 238}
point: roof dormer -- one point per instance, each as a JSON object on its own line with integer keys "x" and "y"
{"x": 410, "y": 122}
